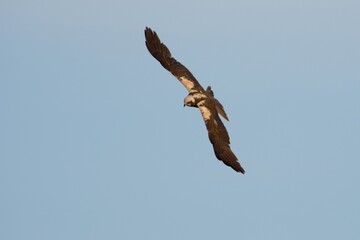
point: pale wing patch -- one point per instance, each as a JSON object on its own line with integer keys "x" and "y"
{"x": 199, "y": 96}
{"x": 205, "y": 112}
{"x": 188, "y": 84}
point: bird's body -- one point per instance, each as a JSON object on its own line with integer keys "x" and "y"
{"x": 198, "y": 97}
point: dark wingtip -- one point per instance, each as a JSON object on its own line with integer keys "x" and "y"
{"x": 157, "y": 49}
{"x": 241, "y": 170}
{"x": 237, "y": 167}
{"x": 147, "y": 29}
{"x": 229, "y": 158}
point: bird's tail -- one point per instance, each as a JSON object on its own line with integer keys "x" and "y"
{"x": 218, "y": 105}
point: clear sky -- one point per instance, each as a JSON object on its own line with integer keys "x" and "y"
{"x": 95, "y": 142}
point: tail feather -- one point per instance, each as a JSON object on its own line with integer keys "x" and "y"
{"x": 218, "y": 105}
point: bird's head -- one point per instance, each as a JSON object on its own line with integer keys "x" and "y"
{"x": 189, "y": 101}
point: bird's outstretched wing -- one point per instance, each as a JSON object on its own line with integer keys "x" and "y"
{"x": 218, "y": 135}
{"x": 159, "y": 51}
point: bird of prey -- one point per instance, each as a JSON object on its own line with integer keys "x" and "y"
{"x": 198, "y": 97}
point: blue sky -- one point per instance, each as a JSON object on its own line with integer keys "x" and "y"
{"x": 95, "y": 142}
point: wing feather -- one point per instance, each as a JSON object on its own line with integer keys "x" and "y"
{"x": 160, "y": 52}
{"x": 218, "y": 135}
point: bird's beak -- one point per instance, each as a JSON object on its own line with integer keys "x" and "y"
{"x": 184, "y": 105}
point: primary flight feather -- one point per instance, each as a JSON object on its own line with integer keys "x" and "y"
{"x": 198, "y": 97}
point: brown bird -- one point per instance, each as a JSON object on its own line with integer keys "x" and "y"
{"x": 209, "y": 106}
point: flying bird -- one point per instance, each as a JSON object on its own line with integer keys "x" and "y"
{"x": 198, "y": 97}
